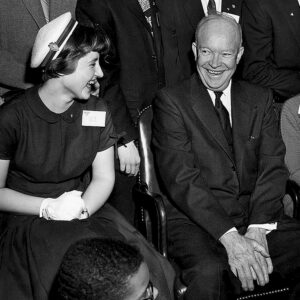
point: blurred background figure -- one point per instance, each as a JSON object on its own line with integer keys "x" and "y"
{"x": 103, "y": 269}
{"x": 134, "y": 30}
{"x": 19, "y": 24}
{"x": 132, "y": 79}
{"x": 272, "y": 45}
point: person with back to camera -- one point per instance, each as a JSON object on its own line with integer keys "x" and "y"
{"x": 103, "y": 269}
{"x": 56, "y": 166}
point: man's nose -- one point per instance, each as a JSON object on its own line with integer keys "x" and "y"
{"x": 215, "y": 61}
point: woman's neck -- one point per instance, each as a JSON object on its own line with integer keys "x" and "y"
{"x": 54, "y": 96}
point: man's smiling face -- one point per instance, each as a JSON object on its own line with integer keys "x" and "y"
{"x": 217, "y": 53}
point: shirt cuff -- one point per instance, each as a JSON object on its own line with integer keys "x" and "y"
{"x": 230, "y": 230}
{"x": 268, "y": 226}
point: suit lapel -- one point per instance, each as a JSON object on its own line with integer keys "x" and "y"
{"x": 55, "y": 8}
{"x": 243, "y": 121}
{"x": 36, "y": 11}
{"x": 292, "y": 17}
{"x": 204, "y": 109}
{"x": 136, "y": 9}
{"x": 58, "y": 7}
{"x": 193, "y": 10}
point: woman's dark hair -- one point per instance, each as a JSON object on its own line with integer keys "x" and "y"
{"x": 96, "y": 269}
{"x": 82, "y": 41}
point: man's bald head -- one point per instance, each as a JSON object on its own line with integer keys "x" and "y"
{"x": 217, "y": 21}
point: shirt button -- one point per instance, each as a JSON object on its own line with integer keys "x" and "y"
{"x": 71, "y": 115}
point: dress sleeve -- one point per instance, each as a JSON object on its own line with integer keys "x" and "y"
{"x": 108, "y": 136}
{"x": 8, "y": 133}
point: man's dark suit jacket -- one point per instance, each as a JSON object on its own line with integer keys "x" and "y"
{"x": 204, "y": 182}
{"x": 271, "y": 31}
{"x": 20, "y": 21}
{"x": 127, "y": 26}
{"x": 179, "y": 34}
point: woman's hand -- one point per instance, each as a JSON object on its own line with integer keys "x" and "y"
{"x": 66, "y": 207}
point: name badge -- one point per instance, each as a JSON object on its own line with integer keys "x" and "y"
{"x": 236, "y": 17}
{"x": 93, "y": 118}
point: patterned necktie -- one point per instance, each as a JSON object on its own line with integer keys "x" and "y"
{"x": 151, "y": 14}
{"x": 211, "y": 7}
{"x": 223, "y": 116}
{"x": 145, "y": 5}
{"x": 45, "y": 6}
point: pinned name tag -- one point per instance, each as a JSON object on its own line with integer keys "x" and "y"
{"x": 93, "y": 118}
{"x": 236, "y": 17}
{"x": 299, "y": 110}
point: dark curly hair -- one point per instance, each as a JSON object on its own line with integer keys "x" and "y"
{"x": 82, "y": 41}
{"x": 96, "y": 269}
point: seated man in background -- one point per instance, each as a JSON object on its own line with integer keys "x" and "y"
{"x": 103, "y": 269}
{"x": 221, "y": 160}
{"x": 272, "y": 45}
{"x": 290, "y": 131}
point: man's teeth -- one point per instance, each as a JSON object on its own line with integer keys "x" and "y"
{"x": 214, "y": 72}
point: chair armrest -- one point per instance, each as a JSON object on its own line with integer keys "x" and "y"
{"x": 150, "y": 217}
{"x": 293, "y": 190}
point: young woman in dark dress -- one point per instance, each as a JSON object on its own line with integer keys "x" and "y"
{"x": 57, "y": 167}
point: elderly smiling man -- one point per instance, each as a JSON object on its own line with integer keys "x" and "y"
{"x": 221, "y": 161}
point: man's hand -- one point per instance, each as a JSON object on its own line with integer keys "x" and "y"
{"x": 259, "y": 235}
{"x": 129, "y": 159}
{"x": 242, "y": 259}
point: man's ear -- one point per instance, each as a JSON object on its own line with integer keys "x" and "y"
{"x": 240, "y": 54}
{"x": 194, "y": 48}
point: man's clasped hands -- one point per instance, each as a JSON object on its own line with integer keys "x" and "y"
{"x": 248, "y": 256}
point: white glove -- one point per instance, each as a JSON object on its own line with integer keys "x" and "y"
{"x": 66, "y": 207}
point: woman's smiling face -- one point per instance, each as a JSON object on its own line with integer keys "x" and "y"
{"x": 80, "y": 83}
